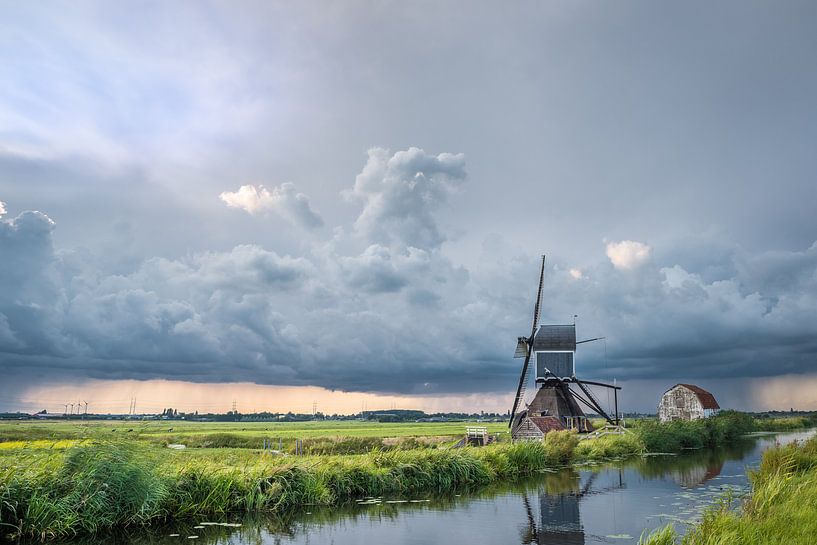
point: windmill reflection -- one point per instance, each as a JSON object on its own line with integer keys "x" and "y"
{"x": 559, "y": 521}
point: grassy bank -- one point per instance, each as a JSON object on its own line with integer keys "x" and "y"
{"x": 86, "y": 489}
{"x": 782, "y": 508}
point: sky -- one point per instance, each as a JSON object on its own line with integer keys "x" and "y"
{"x": 281, "y": 203}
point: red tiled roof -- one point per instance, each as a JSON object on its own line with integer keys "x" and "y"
{"x": 707, "y": 400}
{"x": 546, "y": 423}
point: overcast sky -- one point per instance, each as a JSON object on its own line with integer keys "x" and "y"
{"x": 315, "y": 196}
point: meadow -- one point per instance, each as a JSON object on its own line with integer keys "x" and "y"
{"x": 319, "y": 437}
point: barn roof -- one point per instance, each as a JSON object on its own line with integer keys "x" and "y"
{"x": 555, "y": 337}
{"x": 546, "y": 423}
{"x": 707, "y": 400}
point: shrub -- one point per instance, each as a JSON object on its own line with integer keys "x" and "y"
{"x": 610, "y": 446}
{"x": 673, "y": 436}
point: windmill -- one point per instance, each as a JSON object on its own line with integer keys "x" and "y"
{"x": 557, "y": 404}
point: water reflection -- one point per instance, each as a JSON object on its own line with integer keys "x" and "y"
{"x": 559, "y": 513}
{"x": 587, "y": 505}
{"x": 695, "y": 467}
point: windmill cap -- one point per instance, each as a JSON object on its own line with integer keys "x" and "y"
{"x": 555, "y": 337}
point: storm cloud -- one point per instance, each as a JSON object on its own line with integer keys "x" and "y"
{"x": 398, "y": 315}
{"x": 354, "y": 197}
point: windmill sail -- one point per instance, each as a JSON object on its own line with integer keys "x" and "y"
{"x": 520, "y": 389}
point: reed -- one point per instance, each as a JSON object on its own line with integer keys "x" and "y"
{"x": 94, "y": 487}
{"x": 610, "y": 447}
{"x": 105, "y": 485}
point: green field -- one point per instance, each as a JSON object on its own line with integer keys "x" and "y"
{"x": 346, "y": 428}
{"x": 318, "y": 437}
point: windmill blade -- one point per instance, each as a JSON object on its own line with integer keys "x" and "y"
{"x": 538, "y": 307}
{"x": 520, "y": 390}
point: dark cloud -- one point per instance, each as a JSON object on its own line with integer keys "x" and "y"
{"x": 397, "y": 317}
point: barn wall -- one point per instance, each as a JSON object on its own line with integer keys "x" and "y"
{"x": 680, "y": 404}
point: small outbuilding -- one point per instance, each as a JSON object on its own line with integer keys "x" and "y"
{"x": 534, "y": 428}
{"x": 687, "y": 402}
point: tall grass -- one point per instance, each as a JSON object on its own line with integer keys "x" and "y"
{"x": 781, "y": 510}
{"x": 113, "y": 484}
{"x": 96, "y": 487}
{"x": 610, "y": 447}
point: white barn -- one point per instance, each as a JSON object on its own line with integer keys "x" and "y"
{"x": 687, "y": 402}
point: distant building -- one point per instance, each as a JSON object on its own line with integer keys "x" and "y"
{"x": 687, "y": 402}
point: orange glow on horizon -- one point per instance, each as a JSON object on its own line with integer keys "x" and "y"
{"x": 153, "y": 396}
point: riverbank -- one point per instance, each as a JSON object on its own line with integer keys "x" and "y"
{"x": 83, "y": 486}
{"x": 782, "y": 508}
{"x": 108, "y": 485}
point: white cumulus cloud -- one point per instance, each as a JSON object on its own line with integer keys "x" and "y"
{"x": 628, "y": 254}
{"x": 283, "y": 200}
{"x": 401, "y": 192}
{"x": 2, "y": 208}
